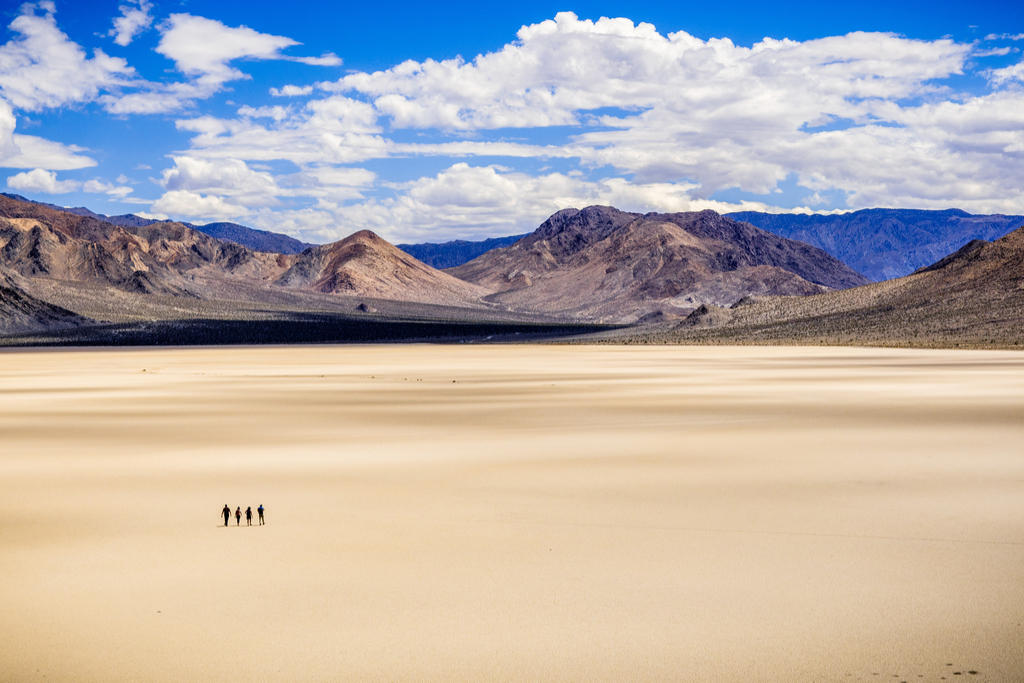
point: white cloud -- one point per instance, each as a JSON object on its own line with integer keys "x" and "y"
{"x": 8, "y": 147}
{"x": 326, "y": 59}
{"x": 994, "y": 52}
{"x": 204, "y": 47}
{"x": 291, "y": 91}
{"x": 151, "y": 216}
{"x": 39, "y": 180}
{"x": 1014, "y": 72}
{"x": 220, "y": 186}
{"x": 562, "y": 67}
{"x": 36, "y": 152}
{"x": 223, "y": 177}
{"x": 41, "y": 68}
{"x": 276, "y": 113}
{"x": 709, "y": 113}
{"x": 158, "y": 99}
{"x": 335, "y": 130}
{"x": 866, "y": 116}
{"x": 183, "y": 203}
{"x": 328, "y": 183}
{"x": 471, "y": 202}
{"x": 135, "y": 18}
{"x": 97, "y": 186}
{"x": 1005, "y": 36}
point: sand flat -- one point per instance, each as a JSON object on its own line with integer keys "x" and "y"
{"x": 512, "y": 513}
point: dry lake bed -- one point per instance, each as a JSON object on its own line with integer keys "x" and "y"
{"x": 512, "y": 513}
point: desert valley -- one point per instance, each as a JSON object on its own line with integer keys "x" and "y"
{"x": 511, "y": 342}
{"x": 512, "y": 513}
{"x": 638, "y": 499}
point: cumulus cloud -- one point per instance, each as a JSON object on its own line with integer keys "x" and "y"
{"x": 994, "y": 52}
{"x": 226, "y": 177}
{"x": 1014, "y": 72}
{"x": 657, "y": 122}
{"x": 674, "y": 110}
{"x": 291, "y": 91}
{"x": 187, "y": 204}
{"x": 214, "y": 188}
{"x": 42, "y": 68}
{"x": 8, "y": 147}
{"x": 135, "y": 18}
{"x": 561, "y": 67}
{"x": 42, "y": 180}
{"x": 36, "y": 152}
{"x": 326, "y": 59}
{"x": 39, "y": 180}
{"x": 472, "y": 202}
{"x": 98, "y": 186}
{"x": 203, "y": 50}
{"x": 276, "y": 113}
{"x": 204, "y": 47}
{"x": 335, "y": 130}
{"x": 328, "y": 183}
{"x": 151, "y": 216}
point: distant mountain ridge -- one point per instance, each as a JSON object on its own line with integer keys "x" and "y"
{"x": 602, "y": 263}
{"x": 971, "y": 298}
{"x": 885, "y": 243}
{"x": 455, "y": 253}
{"x": 880, "y": 244}
{"x": 65, "y": 273}
{"x": 46, "y": 246}
{"x": 257, "y": 240}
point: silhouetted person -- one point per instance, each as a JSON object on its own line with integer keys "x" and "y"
{"x": 248, "y": 516}
{"x": 238, "y": 516}
{"x": 227, "y": 513}
{"x": 260, "y": 511}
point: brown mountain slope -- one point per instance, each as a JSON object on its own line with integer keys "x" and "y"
{"x": 66, "y": 258}
{"x": 364, "y": 264}
{"x": 38, "y": 242}
{"x": 608, "y": 264}
{"x": 974, "y": 297}
{"x": 22, "y": 313}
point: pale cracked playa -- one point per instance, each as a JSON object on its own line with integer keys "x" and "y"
{"x": 512, "y": 513}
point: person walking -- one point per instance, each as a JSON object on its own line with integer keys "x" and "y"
{"x": 248, "y": 516}
{"x": 260, "y": 511}
{"x": 238, "y": 516}
{"x": 227, "y": 513}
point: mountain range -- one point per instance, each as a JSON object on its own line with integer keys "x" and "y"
{"x": 257, "y": 240}
{"x": 693, "y": 277}
{"x": 602, "y": 263}
{"x": 592, "y": 265}
{"x": 878, "y": 243}
{"x": 456, "y": 252}
{"x": 50, "y": 248}
{"x": 885, "y": 243}
{"x": 971, "y": 298}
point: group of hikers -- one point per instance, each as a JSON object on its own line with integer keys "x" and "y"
{"x": 238, "y": 515}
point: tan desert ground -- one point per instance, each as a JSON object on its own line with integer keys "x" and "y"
{"x": 512, "y": 513}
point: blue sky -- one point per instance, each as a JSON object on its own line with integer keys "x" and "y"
{"x": 469, "y": 120}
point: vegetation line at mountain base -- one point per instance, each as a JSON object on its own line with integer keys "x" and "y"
{"x": 300, "y": 330}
